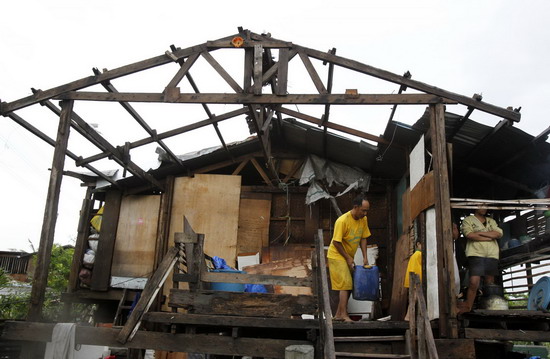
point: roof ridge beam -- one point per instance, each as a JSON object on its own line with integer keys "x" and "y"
{"x": 417, "y": 85}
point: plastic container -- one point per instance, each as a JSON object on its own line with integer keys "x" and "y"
{"x": 227, "y": 287}
{"x": 366, "y": 283}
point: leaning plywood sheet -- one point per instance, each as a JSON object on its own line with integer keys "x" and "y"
{"x": 134, "y": 253}
{"x": 254, "y": 215}
{"x": 211, "y": 204}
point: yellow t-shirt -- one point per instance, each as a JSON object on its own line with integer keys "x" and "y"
{"x": 349, "y": 231}
{"x": 415, "y": 266}
{"x": 487, "y": 249}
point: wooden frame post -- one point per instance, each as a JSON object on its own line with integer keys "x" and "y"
{"x": 448, "y": 326}
{"x": 50, "y": 213}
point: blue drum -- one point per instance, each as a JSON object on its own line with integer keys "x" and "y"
{"x": 366, "y": 283}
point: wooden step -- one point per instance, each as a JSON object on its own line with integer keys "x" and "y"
{"x": 370, "y": 338}
{"x": 369, "y": 355}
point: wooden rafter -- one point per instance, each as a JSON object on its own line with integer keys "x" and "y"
{"x": 487, "y": 138}
{"x": 334, "y": 126}
{"x": 245, "y": 99}
{"x": 94, "y": 80}
{"x": 91, "y": 135}
{"x": 463, "y": 119}
{"x": 417, "y": 85}
{"x": 153, "y": 133}
{"x": 313, "y": 73}
{"x": 204, "y": 106}
{"x": 51, "y": 142}
{"x": 220, "y": 70}
{"x": 171, "y": 133}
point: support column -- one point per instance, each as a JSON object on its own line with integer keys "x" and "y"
{"x": 447, "y": 299}
{"x": 50, "y": 214}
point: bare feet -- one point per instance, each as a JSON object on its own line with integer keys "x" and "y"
{"x": 462, "y": 307}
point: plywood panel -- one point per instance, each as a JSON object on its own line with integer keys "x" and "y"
{"x": 253, "y": 232}
{"x": 134, "y": 253}
{"x": 290, "y": 267}
{"x": 211, "y": 204}
{"x": 422, "y": 195}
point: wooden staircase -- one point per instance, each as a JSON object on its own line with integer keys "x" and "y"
{"x": 372, "y": 346}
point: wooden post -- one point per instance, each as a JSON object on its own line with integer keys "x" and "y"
{"x": 325, "y": 317}
{"x": 50, "y": 213}
{"x": 448, "y": 326}
{"x": 82, "y": 236}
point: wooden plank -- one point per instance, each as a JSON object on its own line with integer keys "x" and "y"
{"x": 230, "y": 321}
{"x": 214, "y": 277}
{"x": 422, "y": 309}
{"x": 134, "y": 252}
{"x": 313, "y": 73}
{"x": 503, "y": 334}
{"x": 148, "y": 295}
{"x": 282, "y": 72}
{"x": 260, "y": 171}
{"x": 94, "y": 80}
{"x": 40, "y": 280}
{"x": 183, "y": 70}
{"x": 455, "y": 348}
{"x": 81, "y": 240}
{"x": 373, "y": 355}
{"x": 220, "y": 70}
{"x": 196, "y": 343}
{"x": 395, "y": 78}
{"x": 211, "y": 205}
{"x": 333, "y": 126}
{"x": 245, "y": 99}
{"x": 372, "y": 338}
{"x": 448, "y": 326}
{"x": 268, "y": 75}
{"x": 106, "y": 245}
{"x": 248, "y": 69}
{"x": 324, "y": 299}
{"x": 296, "y": 267}
{"x": 241, "y": 303}
{"x": 253, "y": 231}
{"x": 422, "y": 195}
{"x": 258, "y": 69}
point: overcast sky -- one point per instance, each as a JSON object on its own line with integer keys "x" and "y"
{"x": 499, "y": 49}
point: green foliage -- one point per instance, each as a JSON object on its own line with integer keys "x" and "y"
{"x": 15, "y": 306}
{"x": 4, "y": 279}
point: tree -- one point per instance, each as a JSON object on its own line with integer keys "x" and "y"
{"x": 16, "y": 305}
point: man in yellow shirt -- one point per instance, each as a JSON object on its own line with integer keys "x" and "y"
{"x": 482, "y": 251}
{"x": 350, "y": 231}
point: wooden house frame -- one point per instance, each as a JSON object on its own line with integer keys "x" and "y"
{"x": 264, "y": 99}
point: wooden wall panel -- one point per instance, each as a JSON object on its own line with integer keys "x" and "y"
{"x": 422, "y": 195}
{"x": 134, "y": 254}
{"x": 211, "y": 204}
{"x": 254, "y": 215}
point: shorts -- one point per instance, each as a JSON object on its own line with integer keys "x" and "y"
{"x": 482, "y": 266}
{"x": 340, "y": 275}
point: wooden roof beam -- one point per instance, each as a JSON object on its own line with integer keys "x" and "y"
{"x": 170, "y": 133}
{"x": 153, "y": 133}
{"x": 463, "y": 119}
{"x": 8, "y": 107}
{"x": 118, "y": 156}
{"x": 334, "y": 126}
{"x": 220, "y": 70}
{"x": 187, "y": 74}
{"x": 417, "y": 85}
{"x": 258, "y": 120}
{"x": 402, "y": 89}
{"x": 250, "y": 99}
{"x": 325, "y": 117}
{"x": 312, "y": 73}
{"x": 27, "y": 126}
